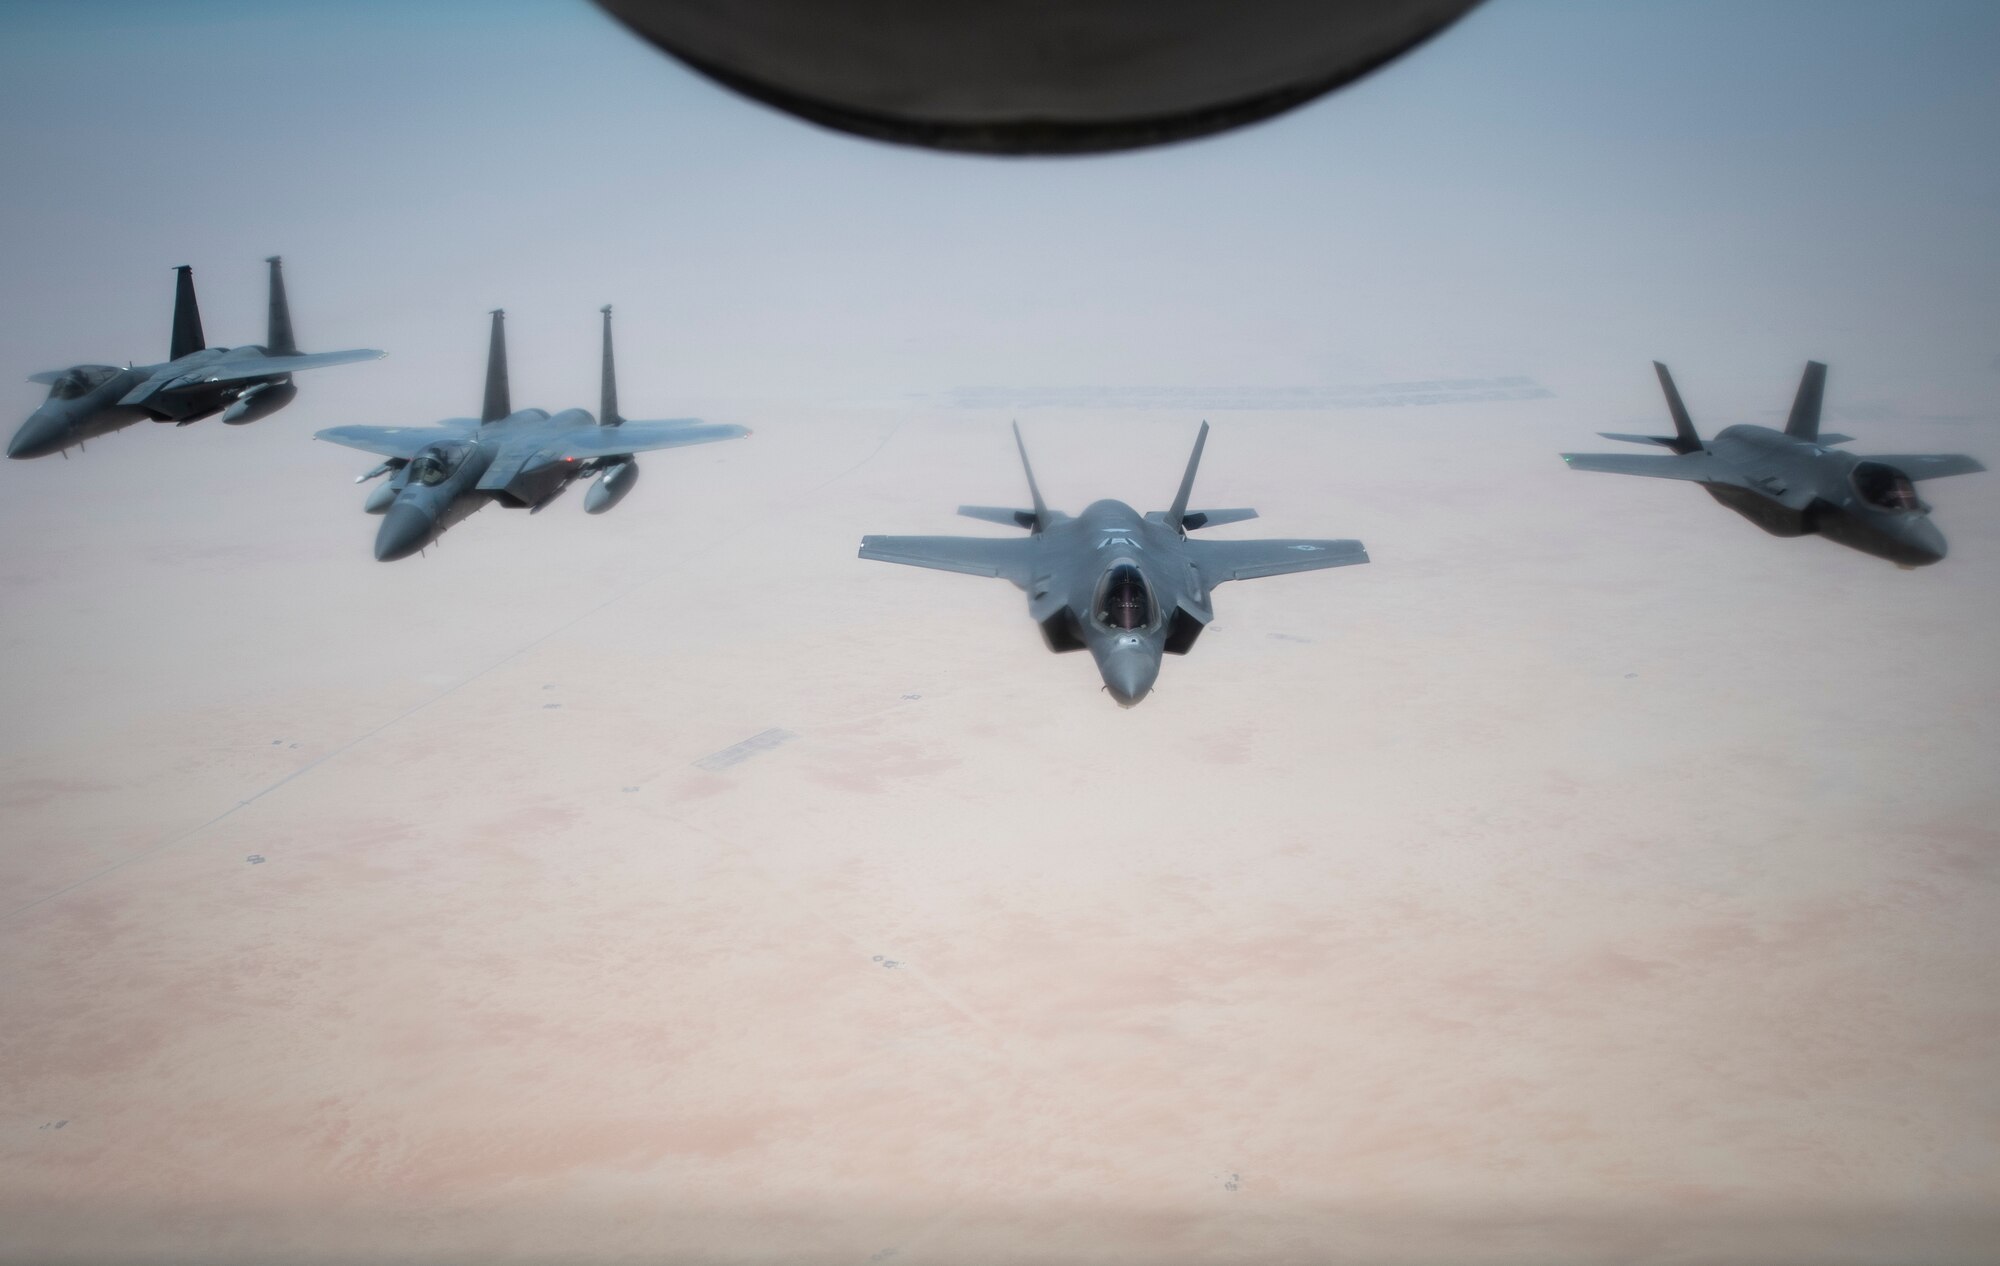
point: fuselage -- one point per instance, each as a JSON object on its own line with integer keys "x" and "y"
{"x": 1120, "y": 585}
{"x": 87, "y": 401}
{"x": 1798, "y": 486}
{"x": 440, "y": 486}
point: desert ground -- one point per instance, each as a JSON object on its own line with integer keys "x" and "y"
{"x": 1589, "y": 878}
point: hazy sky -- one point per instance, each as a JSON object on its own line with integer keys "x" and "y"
{"x": 1589, "y": 855}
{"x": 1564, "y": 190}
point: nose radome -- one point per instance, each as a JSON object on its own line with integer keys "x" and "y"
{"x": 404, "y": 531}
{"x": 39, "y": 436}
{"x": 1129, "y": 675}
{"x": 1926, "y": 543}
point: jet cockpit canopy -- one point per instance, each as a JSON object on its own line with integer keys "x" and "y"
{"x": 80, "y": 381}
{"x": 435, "y": 464}
{"x": 1886, "y": 488}
{"x": 1123, "y": 599}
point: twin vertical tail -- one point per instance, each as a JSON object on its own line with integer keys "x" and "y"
{"x": 187, "y": 316}
{"x": 607, "y": 410}
{"x": 1041, "y": 507}
{"x": 278, "y": 339}
{"x": 1177, "y": 517}
{"x": 497, "y": 403}
{"x": 1685, "y": 439}
{"x": 1804, "y": 422}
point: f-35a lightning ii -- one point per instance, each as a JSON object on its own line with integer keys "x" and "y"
{"x": 195, "y": 382}
{"x": 521, "y": 459}
{"x": 1793, "y": 482}
{"x": 1126, "y": 587}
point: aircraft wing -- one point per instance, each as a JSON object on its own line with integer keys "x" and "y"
{"x": 139, "y": 394}
{"x": 643, "y": 437}
{"x": 1930, "y": 465}
{"x": 1007, "y": 558}
{"x": 389, "y": 441}
{"x": 1220, "y": 561}
{"x": 266, "y": 366}
{"x": 1700, "y": 467}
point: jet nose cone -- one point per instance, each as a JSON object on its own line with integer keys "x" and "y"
{"x": 39, "y": 436}
{"x": 1924, "y": 544}
{"x": 1129, "y": 673}
{"x": 405, "y": 530}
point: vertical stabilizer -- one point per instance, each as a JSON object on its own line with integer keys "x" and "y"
{"x": 278, "y": 338}
{"x": 1177, "y": 515}
{"x": 1804, "y": 422}
{"x": 1041, "y": 507}
{"x": 607, "y": 403}
{"x": 187, "y": 316}
{"x": 497, "y": 405}
{"x": 1685, "y": 439}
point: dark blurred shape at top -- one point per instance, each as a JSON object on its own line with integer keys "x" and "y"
{"x": 1035, "y": 76}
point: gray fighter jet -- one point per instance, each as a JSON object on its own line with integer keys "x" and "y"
{"x": 522, "y": 459}
{"x": 243, "y": 384}
{"x": 1793, "y": 482}
{"x": 1126, "y": 587}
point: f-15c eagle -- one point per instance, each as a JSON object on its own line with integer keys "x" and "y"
{"x": 519, "y": 458}
{"x": 195, "y": 382}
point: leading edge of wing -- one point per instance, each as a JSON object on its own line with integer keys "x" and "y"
{"x": 1001, "y": 557}
{"x": 268, "y": 366}
{"x": 1700, "y": 467}
{"x": 1221, "y": 561}
{"x": 1929, "y": 465}
{"x": 389, "y": 441}
{"x": 644, "y": 437}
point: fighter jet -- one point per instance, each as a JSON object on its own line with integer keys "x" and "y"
{"x": 1793, "y": 482}
{"x": 1126, "y": 587}
{"x": 522, "y": 459}
{"x": 197, "y": 381}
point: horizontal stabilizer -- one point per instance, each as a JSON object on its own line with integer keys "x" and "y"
{"x": 1010, "y": 558}
{"x": 1000, "y": 514}
{"x": 268, "y": 366}
{"x": 1696, "y": 466}
{"x": 1834, "y": 437}
{"x": 1220, "y": 561}
{"x": 1664, "y": 441}
{"x": 1930, "y": 465}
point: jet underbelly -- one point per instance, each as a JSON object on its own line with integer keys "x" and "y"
{"x": 535, "y": 480}
{"x": 1766, "y": 510}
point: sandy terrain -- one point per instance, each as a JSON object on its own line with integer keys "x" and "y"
{"x": 1591, "y": 878}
